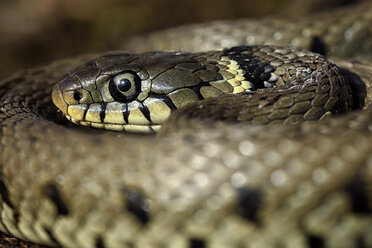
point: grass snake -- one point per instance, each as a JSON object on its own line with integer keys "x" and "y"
{"x": 213, "y": 177}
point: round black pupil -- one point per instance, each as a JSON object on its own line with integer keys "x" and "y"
{"x": 124, "y": 84}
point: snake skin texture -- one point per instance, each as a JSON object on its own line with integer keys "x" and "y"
{"x": 208, "y": 185}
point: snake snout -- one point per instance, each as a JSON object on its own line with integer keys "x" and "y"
{"x": 69, "y": 103}
{"x": 58, "y": 100}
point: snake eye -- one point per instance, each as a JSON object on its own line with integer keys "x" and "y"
{"x": 125, "y": 86}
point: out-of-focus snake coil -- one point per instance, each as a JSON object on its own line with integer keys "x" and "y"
{"x": 213, "y": 178}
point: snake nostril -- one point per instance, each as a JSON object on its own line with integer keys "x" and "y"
{"x": 78, "y": 95}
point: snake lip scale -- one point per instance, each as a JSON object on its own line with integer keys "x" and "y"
{"x": 214, "y": 176}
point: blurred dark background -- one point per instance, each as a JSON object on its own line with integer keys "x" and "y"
{"x": 33, "y": 32}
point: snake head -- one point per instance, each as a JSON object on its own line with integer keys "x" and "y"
{"x": 132, "y": 92}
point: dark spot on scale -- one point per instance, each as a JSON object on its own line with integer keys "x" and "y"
{"x": 315, "y": 241}
{"x": 360, "y": 242}
{"x": 32, "y": 139}
{"x": 166, "y": 100}
{"x": 16, "y": 217}
{"x": 145, "y": 111}
{"x": 265, "y": 76}
{"x": 197, "y": 243}
{"x": 102, "y": 113}
{"x": 136, "y": 204}
{"x": 130, "y": 245}
{"x": 197, "y": 89}
{"x": 99, "y": 242}
{"x": 318, "y": 45}
{"x": 5, "y": 193}
{"x": 250, "y": 201}
{"x": 51, "y": 236}
{"x": 358, "y": 193}
{"x": 126, "y": 113}
{"x": 358, "y": 88}
{"x": 86, "y": 111}
{"x": 52, "y": 192}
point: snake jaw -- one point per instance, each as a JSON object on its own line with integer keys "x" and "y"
{"x": 116, "y": 127}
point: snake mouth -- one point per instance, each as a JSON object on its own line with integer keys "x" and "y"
{"x": 71, "y": 112}
{"x": 135, "y": 128}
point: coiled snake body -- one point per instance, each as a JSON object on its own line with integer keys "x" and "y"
{"x": 227, "y": 183}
